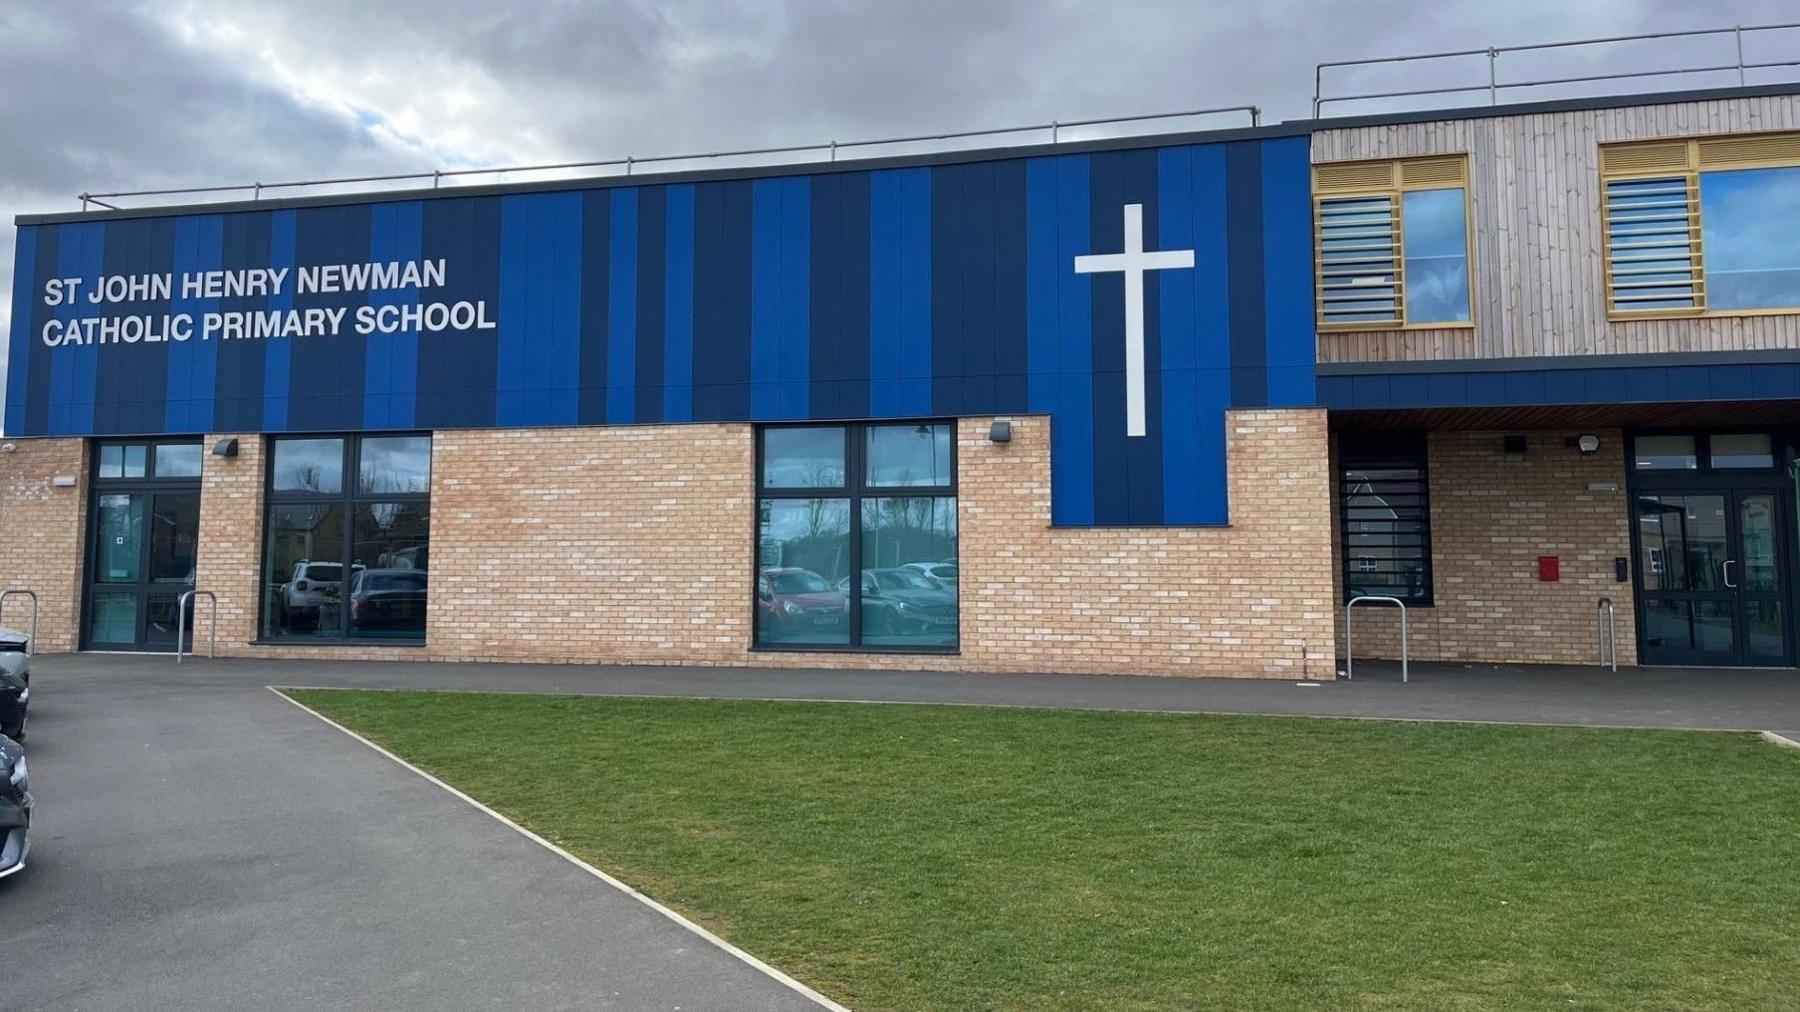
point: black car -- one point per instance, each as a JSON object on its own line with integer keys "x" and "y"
{"x": 15, "y": 807}
{"x": 15, "y": 699}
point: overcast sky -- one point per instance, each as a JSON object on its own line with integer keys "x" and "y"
{"x": 113, "y": 94}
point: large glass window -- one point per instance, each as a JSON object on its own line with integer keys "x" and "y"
{"x": 348, "y": 559}
{"x": 1702, "y": 225}
{"x": 1386, "y": 517}
{"x": 1393, "y": 243}
{"x": 1752, "y": 254}
{"x": 856, "y": 537}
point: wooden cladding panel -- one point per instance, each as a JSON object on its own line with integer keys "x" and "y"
{"x": 1535, "y": 194}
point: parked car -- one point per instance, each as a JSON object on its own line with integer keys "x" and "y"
{"x": 15, "y": 700}
{"x": 313, "y": 587}
{"x": 15, "y": 653}
{"x": 902, "y": 602}
{"x": 795, "y": 600}
{"x": 388, "y": 599}
{"x": 15, "y": 807}
{"x": 942, "y": 574}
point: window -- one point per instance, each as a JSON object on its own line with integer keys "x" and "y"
{"x": 857, "y": 537}
{"x": 1695, "y": 226}
{"x": 1393, "y": 243}
{"x": 1386, "y": 517}
{"x": 1718, "y": 451}
{"x": 347, "y": 558}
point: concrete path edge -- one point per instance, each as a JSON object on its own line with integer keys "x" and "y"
{"x": 789, "y": 982}
{"x": 1780, "y": 739}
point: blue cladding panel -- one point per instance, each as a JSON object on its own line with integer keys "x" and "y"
{"x": 1629, "y": 384}
{"x": 894, "y": 293}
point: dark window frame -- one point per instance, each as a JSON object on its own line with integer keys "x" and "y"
{"x": 150, "y": 484}
{"x": 1399, "y": 452}
{"x": 854, "y": 490}
{"x": 348, "y": 496}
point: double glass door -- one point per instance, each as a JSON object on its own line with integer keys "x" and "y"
{"x": 143, "y": 550}
{"x": 1712, "y": 587}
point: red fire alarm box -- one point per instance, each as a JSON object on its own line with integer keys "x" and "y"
{"x": 1549, "y": 569}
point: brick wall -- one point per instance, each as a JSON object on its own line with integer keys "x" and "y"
{"x": 634, "y": 545}
{"x": 42, "y": 528}
{"x": 1492, "y": 515}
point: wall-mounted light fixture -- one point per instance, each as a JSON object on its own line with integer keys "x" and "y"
{"x": 1514, "y": 443}
{"x": 225, "y": 448}
{"x": 1588, "y": 444}
{"x": 1000, "y": 432}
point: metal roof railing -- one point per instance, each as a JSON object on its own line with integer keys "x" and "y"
{"x": 831, "y": 149}
{"x": 1494, "y": 85}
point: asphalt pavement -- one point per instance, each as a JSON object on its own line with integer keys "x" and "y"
{"x": 202, "y": 844}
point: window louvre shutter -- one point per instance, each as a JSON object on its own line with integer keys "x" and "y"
{"x": 1730, "y": 152}
{"x": 1432, "y": 172}
{"x": 1663, "y": 156}
{"x": 1359, "y": 263}
{"x": 1653, "y": 244}
{"x": 1348, "y": 176}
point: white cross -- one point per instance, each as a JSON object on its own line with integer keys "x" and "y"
{"x": 1133, "y": 263}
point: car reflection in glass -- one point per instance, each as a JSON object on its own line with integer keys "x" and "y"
{"x": 903, "y": 602}
{"x": 792, "y": 600}
{"x": 388, "y": 600}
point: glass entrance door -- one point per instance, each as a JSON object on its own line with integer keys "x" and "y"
{"x": 1710, "y": 567}
{"x": 143, "y": 540}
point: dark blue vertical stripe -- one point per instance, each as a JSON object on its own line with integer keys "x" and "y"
{"x": 1287, "y": 271}
{"x": 238, "y": 383}
{"x": 325, "y": 387}
{"x": 457, "y": 368}
{"x": 839, "y": 323}
{"x": 23, "y": 342}
{"x": 722, "y": 256}
{"x": 74, "y": 367}
{"x": 678, "y": 306}
{"x": 1106, "y": 226}
{"x": 391, "y": 360}
{"x": 278, "y": 356}
{"x": 900, "y": 299}
{"x": 1143, "y": 454}
{"x": 622, "y": 307}
{"x": 1244, "y": 237}
{"x": 131, "y": 384}
{"x": 38, "y": 365}
{"x": 540, "y": 271}
{"x": 1011, "y": 390}
{"x": 596, "y": 304}
{"x": 1072, "y": 427}
{"x": 652, "y": 306}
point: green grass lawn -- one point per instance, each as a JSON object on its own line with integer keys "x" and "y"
{"x": 954, "y": 858}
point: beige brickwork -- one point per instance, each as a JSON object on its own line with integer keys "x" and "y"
{"x": 1493, "y": 514}
{"x": 634, "y": 545}
{"x": 41, "y": 523}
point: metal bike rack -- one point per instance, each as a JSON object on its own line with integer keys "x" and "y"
{"x": 31, "y": 644}
{"x": 1350, "y": 632}
{"x": 1606, "y": 632}
{"x": 181, "y": 623}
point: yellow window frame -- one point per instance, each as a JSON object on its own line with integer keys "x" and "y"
{"x": 1687, "y": 158}
{"x": 1390, "y": 178}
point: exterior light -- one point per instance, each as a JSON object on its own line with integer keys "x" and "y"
{"x": 1000, "y": 432}
{"x": 225, "y": 448}
{"x": 1588, "y": 444}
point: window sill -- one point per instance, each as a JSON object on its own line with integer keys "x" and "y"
{"x": 322, "y": 642}
{"x": 873, "y": 651}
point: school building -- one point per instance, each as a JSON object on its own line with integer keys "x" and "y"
{"x": 1153, "y": 405}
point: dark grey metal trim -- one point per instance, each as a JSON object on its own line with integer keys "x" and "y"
{"x": 1541, "y": 363}
{"x": 1291, "y": 128}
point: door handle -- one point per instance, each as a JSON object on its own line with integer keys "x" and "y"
{"x": 1725, "y": 572}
